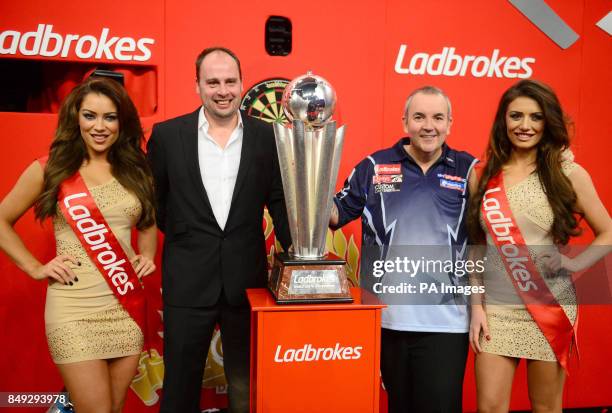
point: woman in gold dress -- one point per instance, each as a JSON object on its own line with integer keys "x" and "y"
{"x": 544, "y": 191}
{"x": 92, "y": 339}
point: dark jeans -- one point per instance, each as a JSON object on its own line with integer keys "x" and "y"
{"x": 423, "y": 372}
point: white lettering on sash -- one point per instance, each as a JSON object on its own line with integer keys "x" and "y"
{"x": 93, "y": 233}
{"x": 512, "y": 254}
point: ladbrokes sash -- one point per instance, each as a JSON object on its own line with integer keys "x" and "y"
{"x": 102, "y": 247}
{"x": 529, "y": 284}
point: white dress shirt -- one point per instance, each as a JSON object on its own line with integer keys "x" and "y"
{"x": 219, "y": 167}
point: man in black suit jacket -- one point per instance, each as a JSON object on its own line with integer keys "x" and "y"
{"x": 215, "y": 169}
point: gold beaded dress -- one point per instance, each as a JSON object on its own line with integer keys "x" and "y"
{"x": 85, "y": 321}
{"x": 512, "y": 329}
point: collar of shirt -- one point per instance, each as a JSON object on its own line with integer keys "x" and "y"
{"x": 203, "y": 126}
{"x": 448, "y": 154}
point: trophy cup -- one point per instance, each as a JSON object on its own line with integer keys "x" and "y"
{"x": 309, "y": 156}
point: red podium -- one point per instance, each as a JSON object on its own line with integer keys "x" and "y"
{"x": 316, "y": 357}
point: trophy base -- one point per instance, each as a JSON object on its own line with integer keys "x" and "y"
{"x": 298, "y": 281}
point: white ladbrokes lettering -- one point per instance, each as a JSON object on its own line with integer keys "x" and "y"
{"x": 310, "y": 353}
{"x": 448, "y": 63}
{"x": 311, "y": 279}
{"x": 515, "y": 257}
{"x": 44, "y": 42}
{"x": 93, "y": 233}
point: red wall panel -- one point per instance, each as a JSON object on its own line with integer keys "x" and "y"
{"x": 355, "y": 45}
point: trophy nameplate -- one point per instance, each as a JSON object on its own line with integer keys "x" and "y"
{"x": 312, "y": 281}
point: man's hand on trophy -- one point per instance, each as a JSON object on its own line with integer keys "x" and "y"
{"x": 333, "y": 218}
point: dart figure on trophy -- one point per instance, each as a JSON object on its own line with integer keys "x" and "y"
{"x": 309, "y": 152}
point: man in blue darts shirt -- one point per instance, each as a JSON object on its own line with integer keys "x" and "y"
{"x": 412, "y": 199}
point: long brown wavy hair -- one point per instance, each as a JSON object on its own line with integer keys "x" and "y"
{"x": 555, "y": 139}
{"x": 126, "y": 156}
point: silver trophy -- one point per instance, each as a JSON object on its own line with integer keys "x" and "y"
{"x": 309, "y": 151}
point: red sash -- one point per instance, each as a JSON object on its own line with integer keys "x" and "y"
{"x": 82, "y": 214}
{"x": 529, "y": 284}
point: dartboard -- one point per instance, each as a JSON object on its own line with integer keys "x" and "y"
{"x": 263, "y": 101}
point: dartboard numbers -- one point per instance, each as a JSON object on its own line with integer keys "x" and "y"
{"x": 263, "y": 101}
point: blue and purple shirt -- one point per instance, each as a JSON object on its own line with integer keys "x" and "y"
{"x": 408, "y": 214}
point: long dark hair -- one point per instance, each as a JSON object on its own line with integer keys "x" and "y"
{"x": 555, "y": 139}
{"x": 68, "y": 151}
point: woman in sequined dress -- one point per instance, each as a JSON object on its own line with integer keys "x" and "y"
{"x": 92, "y": 338}
{"x": 546, "y": 191}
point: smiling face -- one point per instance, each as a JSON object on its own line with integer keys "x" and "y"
{"x": 219, "y": 86}
{"x": 99, "y": 123}
{"x": 525, "y": 123}
{"x": 427, "y": 123}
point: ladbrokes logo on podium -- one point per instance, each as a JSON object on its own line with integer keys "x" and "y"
{"x": 310, "y": 353}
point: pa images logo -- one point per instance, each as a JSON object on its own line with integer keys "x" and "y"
{"x": 263, "y": 101}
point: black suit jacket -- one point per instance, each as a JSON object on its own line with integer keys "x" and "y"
{"x": 199, "y": 258}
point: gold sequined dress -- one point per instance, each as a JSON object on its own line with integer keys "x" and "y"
{"x": 512, "y": 329}
{"x": 85, "y": 321}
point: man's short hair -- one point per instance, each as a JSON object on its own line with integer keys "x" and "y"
{"x": 210, "y": 50}
{"x": 428, "y": 90}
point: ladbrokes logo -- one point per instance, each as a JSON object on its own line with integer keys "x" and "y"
{"x": 310, "y": 279}
{"x": 310, "y": 353}
{"x": 44, "y": 42}
{"x": 449, "y": 63}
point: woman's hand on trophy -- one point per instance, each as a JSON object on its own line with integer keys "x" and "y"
{"x": 57, "y": 269}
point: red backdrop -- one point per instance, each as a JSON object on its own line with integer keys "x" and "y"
{"x": 355, "y": 45}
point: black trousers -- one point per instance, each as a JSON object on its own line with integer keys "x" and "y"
{"x": 187, "y": 335}
{"x": 423, "y": 372}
